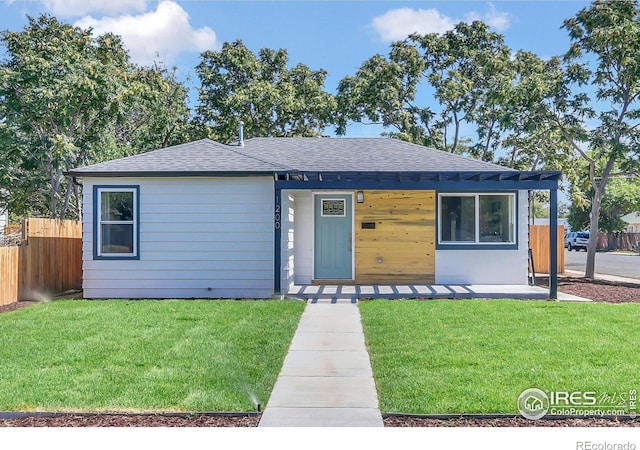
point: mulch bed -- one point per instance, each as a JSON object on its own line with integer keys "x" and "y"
{"x": 596, "y": 290}
{"x": 133, "y": 420}
{"x": 404, "y": 421}
{"x": 15, "y": 305}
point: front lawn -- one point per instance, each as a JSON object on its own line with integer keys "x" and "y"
{"x": 474, "y": 356}
{"x": 144, "y": 355}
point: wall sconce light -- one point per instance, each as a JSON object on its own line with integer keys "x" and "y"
{"x": 360, "y": 196}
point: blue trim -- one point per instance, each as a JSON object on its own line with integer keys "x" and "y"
{"x": 444, "y": 185}
{"x": 553, "y": 244}
{"x": 477, "y": 246}
{"x": 96, "y": 211}
{"x": 509, "y": 246}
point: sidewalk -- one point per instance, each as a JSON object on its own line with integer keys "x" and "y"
{"x": 326, "y": 379}
{"x": 599, "y": 276}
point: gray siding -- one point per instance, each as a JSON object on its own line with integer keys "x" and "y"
{"x": 199, "y": 238}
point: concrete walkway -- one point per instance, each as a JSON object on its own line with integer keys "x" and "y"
{"x": 326, "y": 378}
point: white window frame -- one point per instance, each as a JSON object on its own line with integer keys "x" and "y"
{"x": 100, "y": 222}
{"x": 477, "y": 241}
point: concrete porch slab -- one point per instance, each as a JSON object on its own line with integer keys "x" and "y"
{"x": 334, "y": 294}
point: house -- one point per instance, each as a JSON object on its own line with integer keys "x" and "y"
{"x": 250, "y": 220}
{"x": 633, "y": 222}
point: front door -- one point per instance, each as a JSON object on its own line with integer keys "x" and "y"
{"x": 333, "y": 237}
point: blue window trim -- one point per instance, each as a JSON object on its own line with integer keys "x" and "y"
{"x": 477, "y": 246}
{"x": 96, "y": 212}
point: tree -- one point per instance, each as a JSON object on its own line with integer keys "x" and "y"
{"x": 154, "y": 112}
{"x": 467, "y": 71}
{"x": 601, "y": 128}
{"x": 622, "y": 196}
{"x": 383, "y": 91}
{"x": 68, "y": 99}
{"x": 470, "y": 71}
{"x": 59, "y": 88}
{"x": 529, "y": 141}
{"x": 261, "y": 91}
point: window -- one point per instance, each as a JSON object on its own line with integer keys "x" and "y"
{"x": 116, "y": 216}
{"x": 333, "y": 208}
{"x": 477, "y": 219}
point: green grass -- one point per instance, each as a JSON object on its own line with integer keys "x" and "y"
{"x": 143, "y": 355}
{"x": 432, "y": 357}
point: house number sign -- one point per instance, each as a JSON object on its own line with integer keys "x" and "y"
{"x": 276, "y": 215}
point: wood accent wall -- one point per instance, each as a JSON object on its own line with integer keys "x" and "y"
{"x": 401, "y": 248}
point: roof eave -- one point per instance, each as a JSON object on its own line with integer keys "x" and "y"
{"x": 165, "y": 174}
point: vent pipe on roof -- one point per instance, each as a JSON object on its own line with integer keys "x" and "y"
{"x": 241, "y": 134}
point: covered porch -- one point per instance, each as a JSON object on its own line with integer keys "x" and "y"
{"x": 395, "y": 240}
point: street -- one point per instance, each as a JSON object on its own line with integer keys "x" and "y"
{"x": 619, "y": 264}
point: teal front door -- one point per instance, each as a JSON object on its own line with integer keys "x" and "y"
{"x": 333, "y": 237}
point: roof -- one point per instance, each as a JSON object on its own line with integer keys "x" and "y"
{"x": 270, "y": 155}
{"x": 631, "y": 218}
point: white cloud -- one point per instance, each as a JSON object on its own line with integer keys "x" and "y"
{"x": 397, "y": 24}
{"x": 495, "y": 19}
{"x": 77, "y": 8}
{"x": 165, "y": 31}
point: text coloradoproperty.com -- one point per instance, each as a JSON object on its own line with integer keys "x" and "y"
{"x": 586, "y": 412}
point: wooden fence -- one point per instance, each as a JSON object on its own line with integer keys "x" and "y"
{"x": 618, "y": 241}
{"x": 539, "y": 244}
{"x": 48, "y": 262}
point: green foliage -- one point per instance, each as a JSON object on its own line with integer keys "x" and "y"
{"x": 470, "y": 71}
{"x": 601, "y": 129}
{"x": 477, "y": 84}
{"x": 69, "y": 99}
{"x": 621, "y": 197}
{"x": 260, "y": 90}
{"x": 154, "y": 113}
{"x": 383, "y": 91}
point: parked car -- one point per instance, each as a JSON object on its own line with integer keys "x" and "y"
{"x": 577, "y": 240}
{"x": 569, "y": 237}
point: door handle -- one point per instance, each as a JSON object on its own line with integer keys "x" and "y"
{"x": 349, "y": 243}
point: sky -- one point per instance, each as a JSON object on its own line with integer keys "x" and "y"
{"x": 334, "y": 35}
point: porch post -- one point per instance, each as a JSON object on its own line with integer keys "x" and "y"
{"x": 553, "y": 243}
{"x": 277, "y": 239}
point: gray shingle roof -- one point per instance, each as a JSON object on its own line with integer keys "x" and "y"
{"x": 268, "y": 155}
